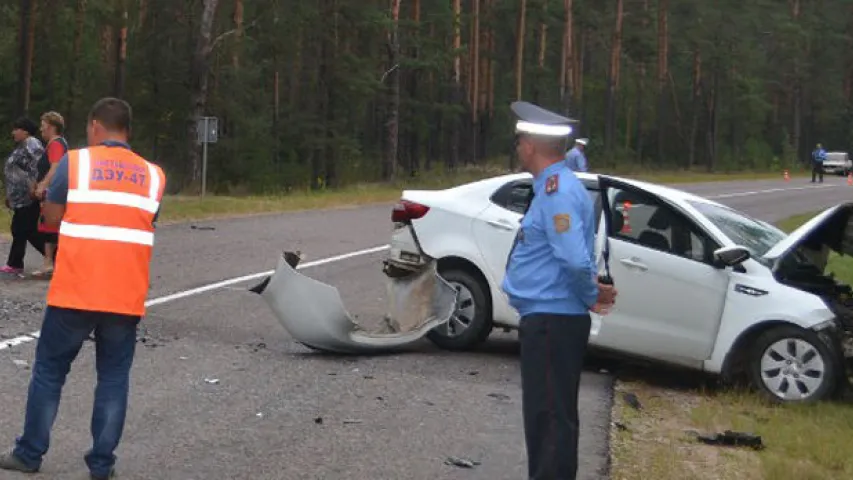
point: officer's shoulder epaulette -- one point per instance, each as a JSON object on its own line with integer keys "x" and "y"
{"x": 552, "y": 183}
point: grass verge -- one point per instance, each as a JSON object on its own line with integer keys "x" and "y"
{"x": 806, "y": 442}
{"x": 177, "y": 208}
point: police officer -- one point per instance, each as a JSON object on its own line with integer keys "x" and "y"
{"x": 818, "y": 156}
{"x": 551, "y": 280}
{"x": 575, "y": 158}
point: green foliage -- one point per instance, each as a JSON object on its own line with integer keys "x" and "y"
{"x": 331, "y": 60}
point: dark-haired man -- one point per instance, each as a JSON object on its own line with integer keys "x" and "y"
{"x": 104, "y": 199}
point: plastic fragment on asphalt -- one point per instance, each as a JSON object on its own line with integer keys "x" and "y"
{"x": 212, "y": 381}
{"x": 20, "y": 363}
{"x": 461, "y": 462}
{"x": 730, "y": 438}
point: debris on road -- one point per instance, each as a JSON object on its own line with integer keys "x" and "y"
{"x": 499, "y": 396}
{"x": 313, "y": 313}
{"x": 212, "y": 381}
{"x": 632, "y": 400}
{"x": 318, "y": 420}
{"x": 194, "y": 227}
{"x": 730, "y": 438}
{"x": 352, "y": 421}
{"x": 20, "y": 363}
{"x": 461, "y": 462}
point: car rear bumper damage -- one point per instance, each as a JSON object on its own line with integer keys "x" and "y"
{"x": 313, "y": 313}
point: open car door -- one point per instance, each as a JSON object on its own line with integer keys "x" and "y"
{"x": 671, "y": 296}
{"x": 313, "y": 313}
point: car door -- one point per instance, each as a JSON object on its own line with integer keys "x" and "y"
{"x": 671, "y": 297}
{"x": 495, "y": 227}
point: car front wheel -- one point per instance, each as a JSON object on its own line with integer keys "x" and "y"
{"x": 471, "y": 322}
{"x": 789, "y": 364}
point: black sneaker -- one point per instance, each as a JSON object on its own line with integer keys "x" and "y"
{"x": 111, "y": 475}
{"x": 9, "y": 461}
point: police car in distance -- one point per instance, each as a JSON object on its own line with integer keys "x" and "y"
{"x": 701, "y": 285}
{"x": 838, "y": 162}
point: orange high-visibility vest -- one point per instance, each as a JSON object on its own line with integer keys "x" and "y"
{"x": 107, "y": 231}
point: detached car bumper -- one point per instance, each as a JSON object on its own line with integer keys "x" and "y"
{"x": 313, "y": 313}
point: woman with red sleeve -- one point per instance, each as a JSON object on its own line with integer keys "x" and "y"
{"x": 52, "y": 127}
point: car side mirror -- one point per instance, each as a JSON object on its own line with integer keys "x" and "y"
{"x": 731, "y": 256}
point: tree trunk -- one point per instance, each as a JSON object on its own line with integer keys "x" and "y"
{"x": 392, "y": 124}
{"x": 713, "y": 119}
{"x": 238, "y": 34}
{"x": 414, "y": 131}
{"x": 519, "y": 48}
{"x": 121, "y": 51}
{"x": 641, "y": 91}
{"x": 663, "y": 70}
{"x": 74, "y": 74}
{"x": 198, "y": 85}
{"x": 143, "y": 13}
{"x": 697, "y": 104}
{"x": 540, "y": 64}
{"x": 567, "y": 59}
{"x": 26, "y": 45}
{"x": 797, "y": 87}
{"x": 456, "y": 94}
{"x": 613, "y": 80}
{"x": 330, "y": 83}
{"x": 475, "y": 80}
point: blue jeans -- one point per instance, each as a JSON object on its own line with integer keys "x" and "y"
{"x": 62, "y": 335}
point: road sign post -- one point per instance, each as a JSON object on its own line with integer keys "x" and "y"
{"x": 208, "y": 132}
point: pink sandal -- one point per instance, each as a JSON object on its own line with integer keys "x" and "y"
{"x": 8, "y": 269}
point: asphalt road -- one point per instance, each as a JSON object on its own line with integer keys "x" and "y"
{"x": 387, "y": 417}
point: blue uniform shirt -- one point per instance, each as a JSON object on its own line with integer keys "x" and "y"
{"x": 819, "y": 155}
{"x": 57, "y": 191}
{"x": 576, "y": 160}
{"x": 552, "y": 268}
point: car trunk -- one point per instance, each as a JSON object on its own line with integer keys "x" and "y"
{"x": 800, "y": 259}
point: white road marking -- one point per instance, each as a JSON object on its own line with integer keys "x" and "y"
{"x": 771, "y": 190}
{"x": 13, "y": 342}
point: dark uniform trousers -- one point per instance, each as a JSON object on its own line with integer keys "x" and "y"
{"x": 817, "y": 170}
{"x": 552, "y": 352}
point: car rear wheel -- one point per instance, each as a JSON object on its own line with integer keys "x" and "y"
{"x": 471, "y": 323}
{"x": 790, "y": 364}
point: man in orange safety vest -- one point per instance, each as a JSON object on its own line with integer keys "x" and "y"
{"x": 105, "y": 200}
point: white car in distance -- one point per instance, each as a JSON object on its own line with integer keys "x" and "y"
{"x": 701, "y": 285}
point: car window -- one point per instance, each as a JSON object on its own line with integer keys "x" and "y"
{"x": 515, "y": 196}
{"x": 642, "y": 219}
{"x": 756, "y": 235}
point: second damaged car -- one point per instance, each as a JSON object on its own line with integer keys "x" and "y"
{"x": 701, "y": 285}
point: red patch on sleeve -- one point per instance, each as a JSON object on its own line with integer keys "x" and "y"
{"x": 551, "y": 184}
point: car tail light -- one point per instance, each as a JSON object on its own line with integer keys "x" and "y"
{"x": 406, "y": 211}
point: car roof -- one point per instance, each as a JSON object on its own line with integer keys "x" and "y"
{"x": 492, "y": 183}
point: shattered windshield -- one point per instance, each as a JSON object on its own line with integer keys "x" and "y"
{"x": 759, "y": 237}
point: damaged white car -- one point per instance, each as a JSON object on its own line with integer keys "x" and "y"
{"x": 701, "y": 285}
